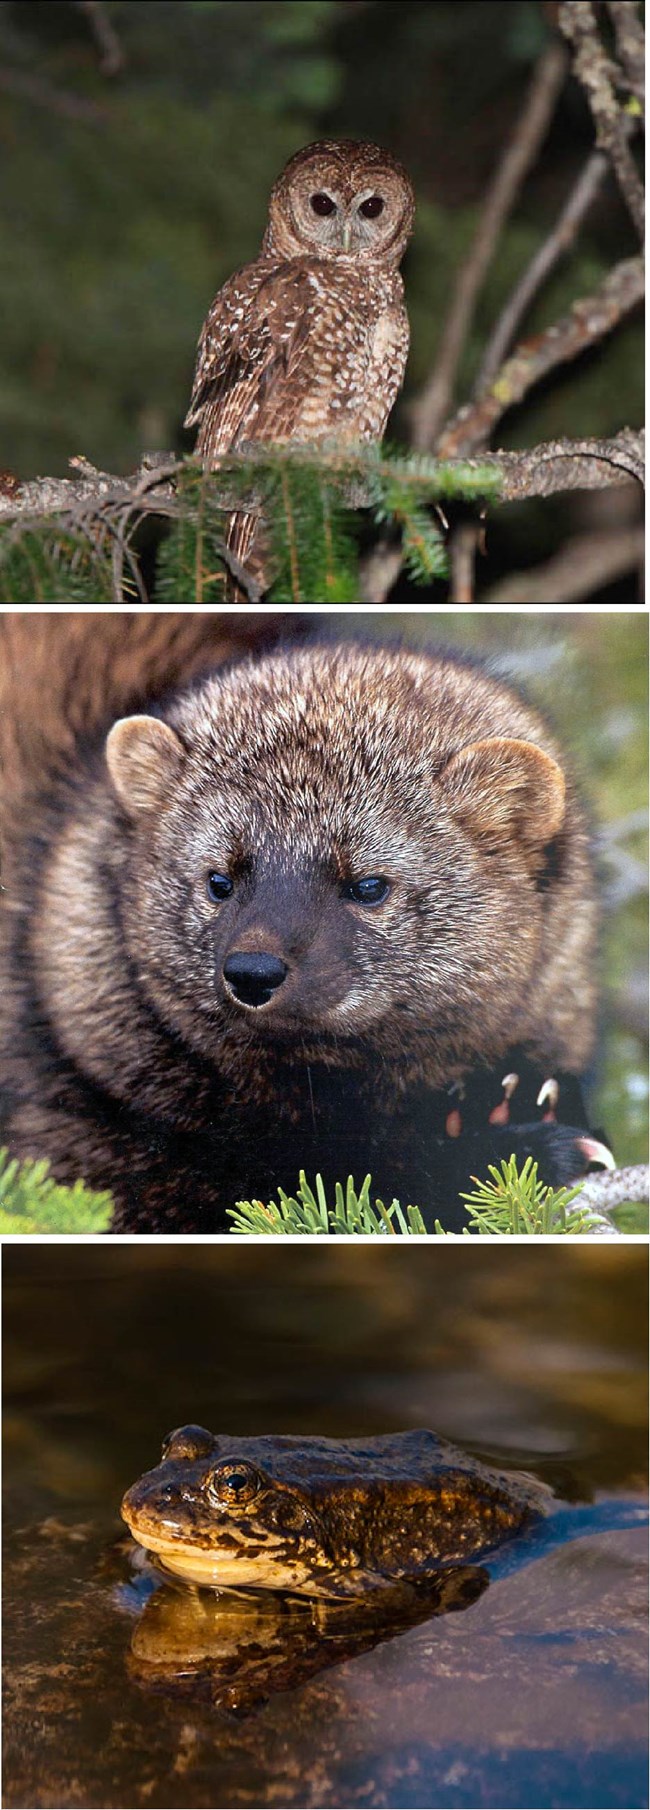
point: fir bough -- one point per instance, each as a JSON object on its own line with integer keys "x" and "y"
{"x": 32, "y": 1202}
{"x": 50, "y": 562}
{"x": 509, "y": 1205}
{"x": 313, "y": 505}
{"x": 352, "y": 1215}
{"x": 190, "y": 566}
{"x": 512, "y": 1203}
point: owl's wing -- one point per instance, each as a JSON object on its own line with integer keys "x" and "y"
{"x": 258, "y": 334}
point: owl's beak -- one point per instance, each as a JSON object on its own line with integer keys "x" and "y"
{"x": 347, "y": 230}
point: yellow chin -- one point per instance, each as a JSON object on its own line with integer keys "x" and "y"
{"x": 220, "y": 1571}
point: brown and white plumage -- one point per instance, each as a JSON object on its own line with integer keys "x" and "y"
{"x": 309, "y": 342}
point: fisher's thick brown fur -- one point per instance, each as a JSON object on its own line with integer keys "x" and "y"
{"x": 127, "y": 1056}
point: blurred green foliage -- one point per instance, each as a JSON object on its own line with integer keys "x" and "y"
{"x": 116, "y": 229}
{"x": 32, "y": 1202}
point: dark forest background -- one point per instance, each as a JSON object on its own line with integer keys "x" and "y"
{"x": 139, "y": 141}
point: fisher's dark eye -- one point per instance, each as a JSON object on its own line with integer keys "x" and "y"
{"x": 233, "y": 1485}
{"x": 322, "y": 204}
{"x": 372, "y": 207}
{"x": 371, "y": 891}
{"x": 218, "y": 886}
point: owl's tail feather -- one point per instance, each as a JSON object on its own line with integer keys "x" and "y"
{"x": 243, "y": 540}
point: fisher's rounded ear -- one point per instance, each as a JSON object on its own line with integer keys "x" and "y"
{"x": 145, "y": 759}
{"x": 506, "y": 788}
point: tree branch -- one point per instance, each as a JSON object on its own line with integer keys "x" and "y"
{"x": 463, "y": 548}
{"x": 97, "y": 504}
{"x": 598, "y": 76}
{"x": 429, "y": 411}
{"x": 555, "y": 246}
{"x": 570, "y": 465}
{"x": 585, "y": 564}
{"x": 588, "y": 321}
{"x": 536, "y": 471}
{"x": 112, "y": 57}
{"x": 612, "y": 1188}
{"x": 630, "y": 44}
{"x": 56, "y": 100}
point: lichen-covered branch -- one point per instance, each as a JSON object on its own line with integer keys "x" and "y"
{"x": 630, "y": 44}
{"x": 613, "y": 1187}
{"x": 570, "y": 465}
{"x": 588, "y": 321}
{"x": 599, "y": 76}
{"x": 538, "y": 471}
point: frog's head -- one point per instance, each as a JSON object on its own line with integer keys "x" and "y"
{"x": 212, "y": 1516}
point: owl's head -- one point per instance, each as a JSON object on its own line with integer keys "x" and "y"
{"x": 341, "y": 199}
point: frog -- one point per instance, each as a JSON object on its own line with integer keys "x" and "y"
{"x": 322, "y": 1518}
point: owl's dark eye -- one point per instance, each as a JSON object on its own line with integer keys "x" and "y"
{"x": 218, "y": 886}
{"x": 371, "y": 891}
{"x": 372, "y": 207}
{"x": 322, "y": 204}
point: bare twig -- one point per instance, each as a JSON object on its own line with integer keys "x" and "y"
{"x": 630, "y": 44}
{"x": 555, "y": 246}
{"x": 431, "y": 408}
{"x": 56, "y": 100}
{"x": 584, "y": 565}
{"x": 598, "y": 76}
{"x": 588, "y": 321}
{"x": 112, "y": 57}
{"x": 379, "y": 571}
{"x": 463, "y": 548}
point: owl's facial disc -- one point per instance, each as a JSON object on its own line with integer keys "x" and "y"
{"x": 343, "y": 199}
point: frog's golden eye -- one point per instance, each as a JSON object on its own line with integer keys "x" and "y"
{"x": 234, "y": 1485}
{"x": 188, "y": 1442}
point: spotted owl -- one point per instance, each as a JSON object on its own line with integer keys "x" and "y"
{"x": 309, "y": 342}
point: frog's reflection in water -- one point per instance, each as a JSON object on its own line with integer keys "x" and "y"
{"x": 238, "y": 1648}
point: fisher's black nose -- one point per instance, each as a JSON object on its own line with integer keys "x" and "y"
{"x": 254, "y": 978}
